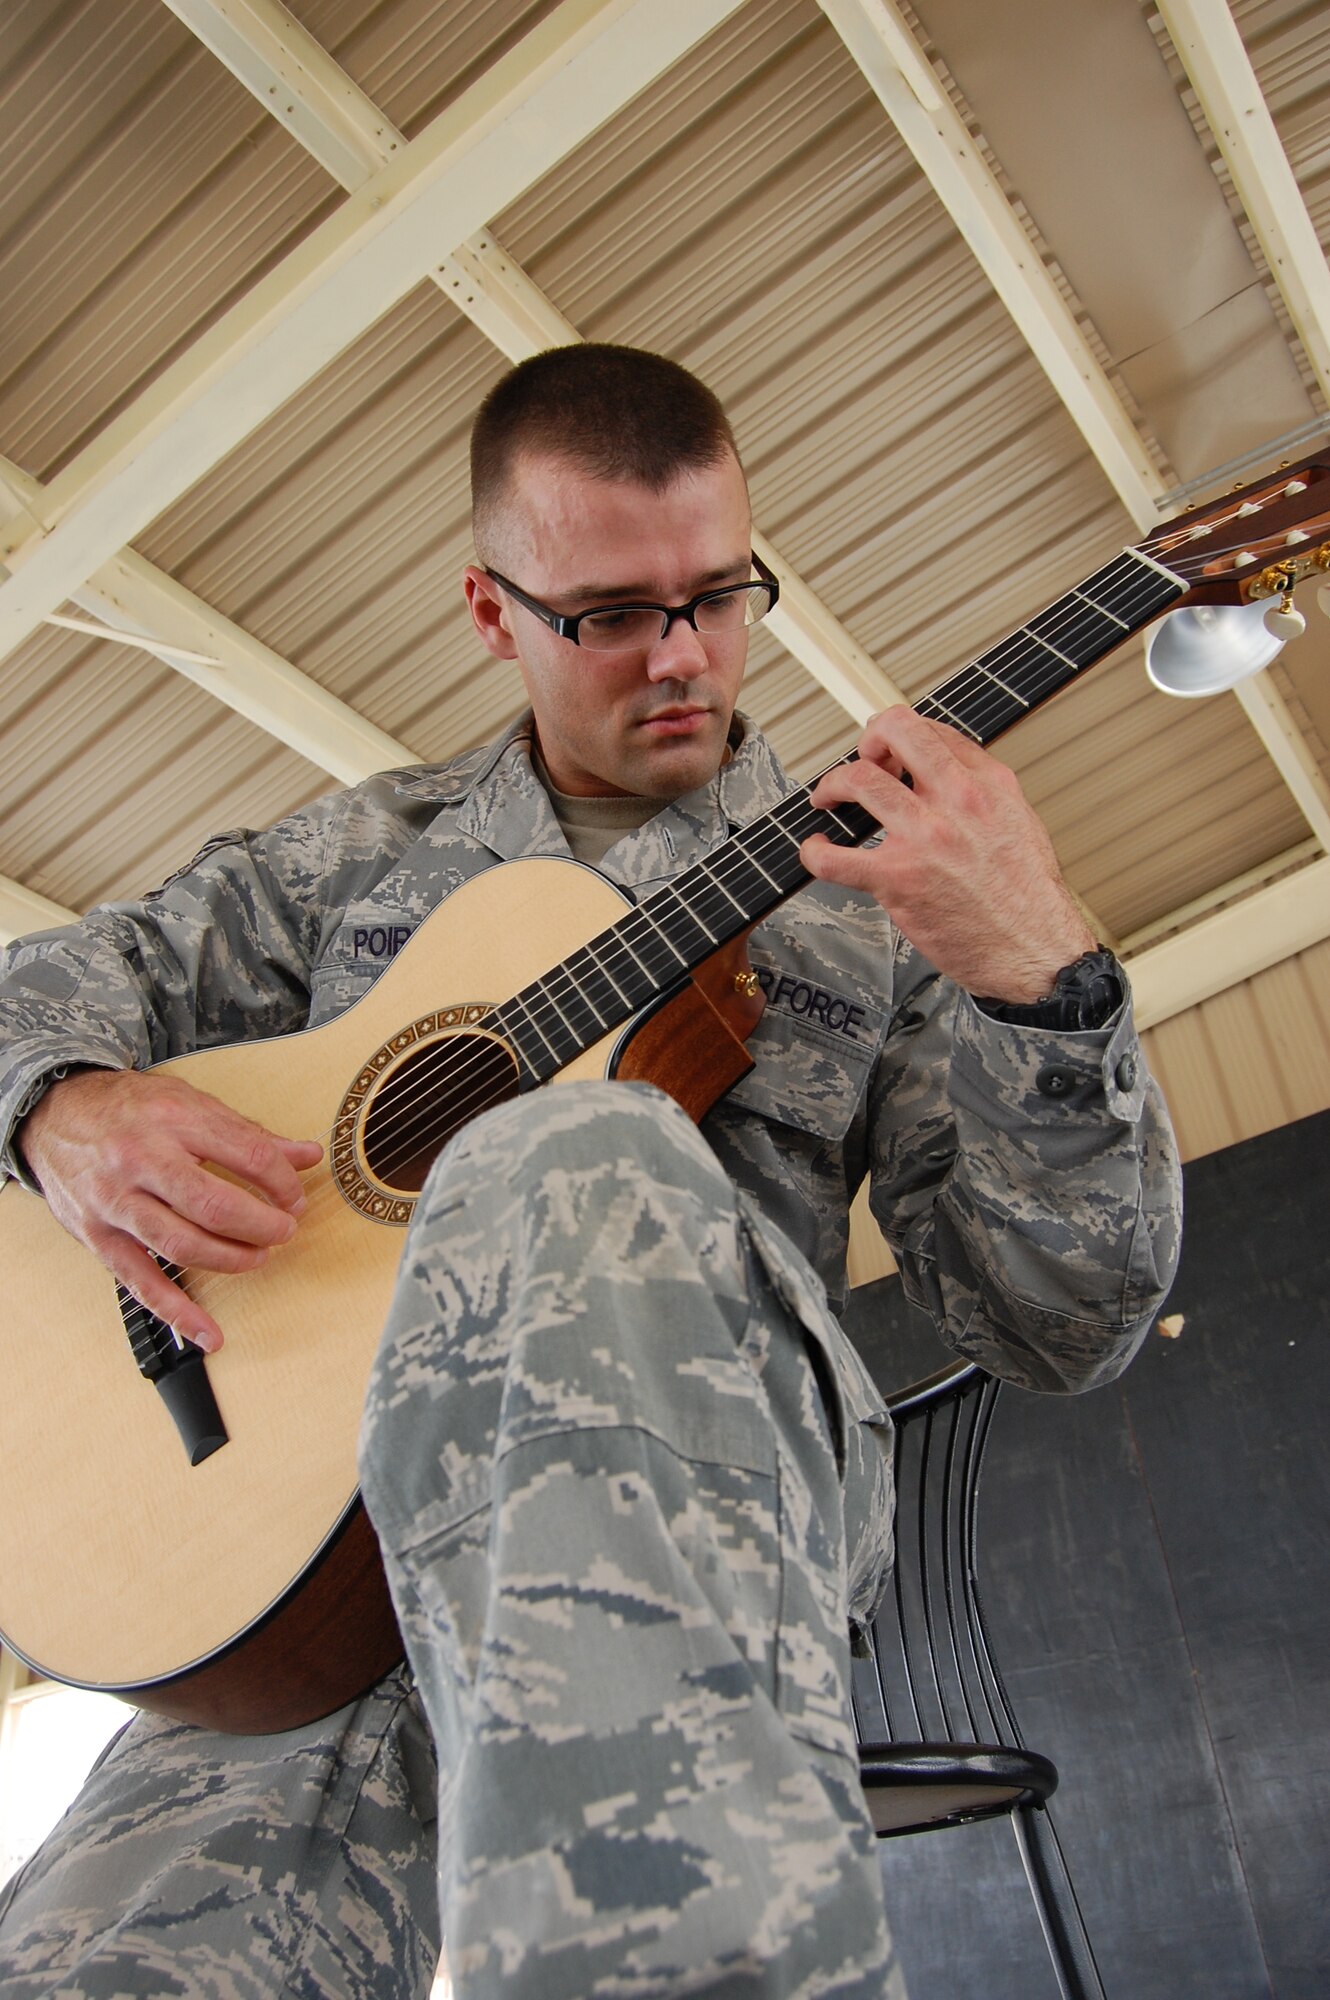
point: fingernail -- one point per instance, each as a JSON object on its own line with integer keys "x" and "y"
{"x": 299, "y": 1206}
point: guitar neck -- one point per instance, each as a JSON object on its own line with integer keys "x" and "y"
{"x": 652, "y": 950}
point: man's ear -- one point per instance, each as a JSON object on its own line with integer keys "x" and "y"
{"x": 490, "y": 612}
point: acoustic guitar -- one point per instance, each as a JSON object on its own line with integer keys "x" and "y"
{"x": 187, "y": 1533}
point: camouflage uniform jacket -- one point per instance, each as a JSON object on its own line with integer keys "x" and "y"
{"x": 1027, "y": 1182}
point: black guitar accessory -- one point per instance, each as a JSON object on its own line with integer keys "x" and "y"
{"x": 1085, "y": 994}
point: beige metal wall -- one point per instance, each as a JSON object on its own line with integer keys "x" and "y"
{"x": 1252, "y": 1058}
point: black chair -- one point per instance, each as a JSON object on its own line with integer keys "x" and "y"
{"x": 938, "y": 1744}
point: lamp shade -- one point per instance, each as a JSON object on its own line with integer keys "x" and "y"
{"x": 1206, "y": 648}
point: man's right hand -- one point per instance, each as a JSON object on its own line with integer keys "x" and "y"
{"x": 124, "y": 1161}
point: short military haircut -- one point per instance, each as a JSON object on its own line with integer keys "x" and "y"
{"x": 615, "y": 412}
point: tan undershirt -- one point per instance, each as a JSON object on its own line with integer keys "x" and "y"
{"x": 592, "y": 825}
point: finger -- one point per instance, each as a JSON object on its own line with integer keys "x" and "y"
{"x": 161, "y": 1229}
{"x": 888, "y": 798}
{"x": 222, "y": 1210}
{"x": 143, "y": 1277}
{"x": 212, "y": 1131}
{"x": 925, "y": 747}
{"x": 848, "y": 867}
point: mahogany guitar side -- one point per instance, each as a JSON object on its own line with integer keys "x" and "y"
{"x": 245, "y": 1591}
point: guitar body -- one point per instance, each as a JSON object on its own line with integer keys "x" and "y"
{"x": 238, "y": 1583}
{"x": 245, "y": 1591}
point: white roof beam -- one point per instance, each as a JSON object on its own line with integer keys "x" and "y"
{"x": 174, "y": 625}
{"x": 294, "y": 77}
{"x": 1233, "y": 945}
{"x": 23, "y": 910}
{"x": 563, "y": 80}
{"x": 879, "y": 38}
{"x": 1215, "y": 58}
{"x": 1251, "y": 880}
{"x": 282, "y": 64}
{"x": 1269, "y": 715}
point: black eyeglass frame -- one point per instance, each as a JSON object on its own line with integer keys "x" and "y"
{"x": 566, "y": 624}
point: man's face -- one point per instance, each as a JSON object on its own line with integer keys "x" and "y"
{"x": 653, "y": 721}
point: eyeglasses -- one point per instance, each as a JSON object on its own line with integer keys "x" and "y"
{"x": 614, "y": 628}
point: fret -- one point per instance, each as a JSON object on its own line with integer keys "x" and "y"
{"x": 681, "y": 930}
{"x": 557, "y": 1034}
{"x": 631, "y": 970}
{"x": 602, "y": 992}
{"x": 690, "y": 881}
{"x": 714, "y": 878}
{"x": 997, "y": 681}
{"x": 551, "y": 1001}
{"x": 1082, "y": 631}
{"x": 524, "y": 1032}
{"x": 1049, "y": 647}
{"x": 945, "y": 714}
{"x": 1140, "y": 593}
{"x": 754, "y": 887}
{"x": 1121, "y": 623}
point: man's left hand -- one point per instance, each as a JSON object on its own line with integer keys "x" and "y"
{"x": 967, "y": 870}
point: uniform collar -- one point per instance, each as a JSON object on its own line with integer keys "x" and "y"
{"x": 503, "y": 804}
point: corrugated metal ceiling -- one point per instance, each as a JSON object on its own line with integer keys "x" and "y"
{"x": 752, "y": 212}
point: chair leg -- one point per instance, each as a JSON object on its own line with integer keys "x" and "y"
{"x": 1055, "y": 1899}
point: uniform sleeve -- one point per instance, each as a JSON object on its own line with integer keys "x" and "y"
{"x": 1027, "y": 1181}
{"x": 222, "y": 953}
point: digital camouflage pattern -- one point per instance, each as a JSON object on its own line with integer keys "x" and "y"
{"x": 1038, "y": 1227}
{"x": 1040, "y": 1232}
{"x": 202, "y": 1867}
{"x": 625, "y": 1545}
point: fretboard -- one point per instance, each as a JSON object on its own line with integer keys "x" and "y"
{"x": 653, "y": 948}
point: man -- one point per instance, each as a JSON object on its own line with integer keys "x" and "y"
{"x": 625, "y": 1469}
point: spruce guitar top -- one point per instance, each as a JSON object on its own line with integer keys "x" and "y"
{"x": 187, "y": 1532}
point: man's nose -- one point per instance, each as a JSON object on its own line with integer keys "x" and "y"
{"x": 678, "y": 654}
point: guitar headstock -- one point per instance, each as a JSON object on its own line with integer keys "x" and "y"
{"x": 1259, "y": 541}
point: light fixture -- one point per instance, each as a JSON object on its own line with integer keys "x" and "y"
{"x": 1209, "y": 647}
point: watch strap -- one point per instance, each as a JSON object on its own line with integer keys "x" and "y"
{"x": 1085, "y": 994}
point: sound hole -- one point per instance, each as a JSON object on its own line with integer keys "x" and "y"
{"x": 435, "y": 1092}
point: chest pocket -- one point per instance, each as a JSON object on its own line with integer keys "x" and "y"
{"x": 813, "y": 1052}
{"x": 359, "y": 951}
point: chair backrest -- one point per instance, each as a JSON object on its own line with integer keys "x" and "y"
{"x": 938, "y": 1743}
{"x": 931, "y": 1677}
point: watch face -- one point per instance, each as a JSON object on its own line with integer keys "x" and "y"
{"x": 1093, "y": 986}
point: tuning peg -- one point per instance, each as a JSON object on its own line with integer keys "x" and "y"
{"x": 1323, "y": 596}
{"x": 1284, "y": 620}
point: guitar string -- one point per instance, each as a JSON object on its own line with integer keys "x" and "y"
{"x": 1022, "y": 647}
{"x": 563, "y": 989}
{"x": 712, "y": 873}
{"x": 1017, "y": 651}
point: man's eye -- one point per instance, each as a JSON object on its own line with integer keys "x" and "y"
{"x": 620, "y": 627}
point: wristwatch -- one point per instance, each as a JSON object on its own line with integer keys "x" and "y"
{"x": 1085, "y": 994}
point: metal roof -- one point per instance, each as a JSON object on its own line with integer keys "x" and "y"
{"x": 979, "y": 287}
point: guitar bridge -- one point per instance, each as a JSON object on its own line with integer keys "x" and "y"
{"x": 178, "y": 1372}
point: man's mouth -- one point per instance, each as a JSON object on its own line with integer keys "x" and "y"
{"x": 676, "y": 721}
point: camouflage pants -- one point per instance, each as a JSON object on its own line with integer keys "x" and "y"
{"x": 212, "y": 1867}
{"x": 625, "y": 1534}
